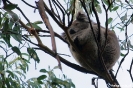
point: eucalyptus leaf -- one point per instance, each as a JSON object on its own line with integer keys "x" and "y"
{"x": 43, "y": 70}
{"x": 115, "y": 8}
{"x": 98, "y": 8}
{"x": 35, "y": 26}
{"x": 110, "y": 20}
{"x": 14, "y": 15}
{"x": 33, "y": 54}
{"x": 10, "y": 6}
{"x": 17, "y": 37}
{"x": 123, "y": 18}
{"x": 16, "y": 50}
{"x": 10, "y": 73}
{"x": 42, "y": 77}
{"x": 38, "y": 22}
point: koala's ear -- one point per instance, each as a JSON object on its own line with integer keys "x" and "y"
{"x": 81, "y": 16}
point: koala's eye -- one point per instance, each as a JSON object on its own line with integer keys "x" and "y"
{"x": 72, "y": 31}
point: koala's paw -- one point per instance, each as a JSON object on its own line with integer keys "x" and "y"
{"x": 77, "y": 43}
{"x": 72, "y": 31}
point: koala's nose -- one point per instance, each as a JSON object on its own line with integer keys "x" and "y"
{"x": 72, "y": 31}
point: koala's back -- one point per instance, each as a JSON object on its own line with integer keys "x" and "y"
{"x": 87, "y": 45}
{"x": 112, "y": 50}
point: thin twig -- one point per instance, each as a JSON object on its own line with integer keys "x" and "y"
{"x": 22, "y": 13}
{"x": 125, "y": 54}
{"x": 29, "y": 4}
{"x": 130, "y": 70}
{"x": 54, "y": 17}
{"x": 56, "y": 34}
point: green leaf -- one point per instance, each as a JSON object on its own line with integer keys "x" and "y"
{"x": 33, "y": 54}
{"x": 14, "y": 15}
{"x": 7, "y": 83}
{"x": 131, "y": 1}
{"x": 10, "y": 63}
{"x": 17, "y": 37}
{"x": 11, "y": 23}
{"x": 16, "y": 50}
{"x": 5, "y": 26}
{"x": 115, "y": 8}
{"x": 21, "y": 74}
{"x": 41, "y": 77}
{"x": 35, "y": 26}
{"x": 121, "y": 28}
{"x": 26, "y": 55}
{"x": 56, "y": 67}
{"x": 110, "y": 20}
{"x": 17, "y": 34}
{"x": 123, "y": 18}
{"x": 106, "y": 2}
{"x": 23, "y": 68}
{"x": 10, "y": 6}
{"x": 13, "y": 83}
{"x": 122, "y": 54}
{"x": 40, "y": 82}
{"x": 2, "y": 42}
{"x": 43, "y": 70}
{"x": 10, "y": 73}
{"x": 4, "y": 35}
{"x": 38, "y": 22}
{"x": 98, "y": 8}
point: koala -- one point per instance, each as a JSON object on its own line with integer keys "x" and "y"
{"x": 81, "y": 34}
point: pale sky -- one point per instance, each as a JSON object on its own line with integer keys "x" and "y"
{"x": 80, "y": 80}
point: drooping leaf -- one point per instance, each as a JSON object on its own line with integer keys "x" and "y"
{"x": 17, "y": 37}
{"x": 123, "y": 18}
{"x": 13, "y": 83}
{"x": 43, "y": 70}
{"x": 7, "y": 39}
{"x": 14, "y": 15}
{"x": 35, "y": 26}
{"x": 41, "y": 77}
{"x": 122, "y": 54}
{"x": 5, "y": 35}
{"x": 121, "y": 28}
{"x": 11, "y": 23}
{"x": 21, "y": 74}
{"x": 110, "y": 20}
{"x": 115, "y": 8}
{"x": 7, "y": 83}
{"x": 33, "y": 54}
{"x": 22, "y": 68}
{"x": 10, "y": 73}
{"x": 16, "y": 50}
{"x": 38, "y": 22}
{"x": 17, "y": 33}
{"x": 10, "y": 6}
{"x": 106, "y": 2}
{"x": 131, "y": 1}
{"x": 98, "y": 8}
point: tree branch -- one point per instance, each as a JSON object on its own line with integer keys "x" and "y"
{"x": 42, "y": 12}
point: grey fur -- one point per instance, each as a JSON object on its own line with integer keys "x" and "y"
{"x": 81, "y": 34}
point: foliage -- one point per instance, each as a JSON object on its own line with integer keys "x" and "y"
{"x": 13, "y": 72}
{"x": 12, "y": 28}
